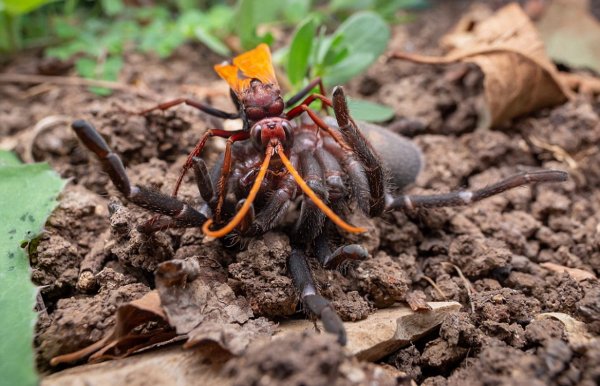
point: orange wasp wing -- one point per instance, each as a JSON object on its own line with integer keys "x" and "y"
{"x": 254, "y": 64}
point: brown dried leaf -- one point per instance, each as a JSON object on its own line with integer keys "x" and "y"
{"x": 232, "y": 337}
{"x": 575, "y": 273}
{"x": 417, "y": 301}
{"x": 206, "y": 309}
{"x": 519, "y": 77}
{"x": 383, "y": 332}
{"x": 171, "y": 366}
{"x": 122, "y": 341}
{"x": 571, "y": 33}
{"x": 577, "y": 333}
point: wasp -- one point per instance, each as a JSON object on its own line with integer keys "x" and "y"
{"x": 329, "y": 166}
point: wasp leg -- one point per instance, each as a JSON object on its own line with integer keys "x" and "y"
{"x": 363, "y": 151}
{"x": 190, "y": 102}
{"x": 304, "y": 92}
{"x": 181, "y": 213}
{"x": 226, "y": 171}
{"x": 459, "y": 198}
{"x": 317, "y": 304}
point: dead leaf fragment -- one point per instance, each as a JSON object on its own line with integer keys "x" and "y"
{"x": 122, "y": 340}
{"x": 571, "y": 33}
{"x": 577, "y": 333}
{"x": 385, "y": 331}
{"x": 575, "y": 273}
{"x": 205, "y": 309}
{"x": 165, "y": 367}
{"x": 519, "y": 77}
{"x": 233, "y": 337}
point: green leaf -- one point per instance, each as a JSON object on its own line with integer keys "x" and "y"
{"x": 212, "y": 42}
{"x": 345, "y": 70}
{"x": 363, "y": 110}
{"x": 112, "y": 7}
{"x": 365, "y": 36}
{"x": 21, "y": 7}
{"x": 108, "y": 70}
{"x": 296, "y": 10}
{"x": 350, "y": 5}
{"x": 250, "y": 14}
{"x": 300, "y": 50}
{"x": 27, "y": 197}
{"x": 8, "y": 158}
{"x": 86, "y": 67}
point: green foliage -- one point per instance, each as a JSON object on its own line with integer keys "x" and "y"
{"x": 21, "y": 7}
{"x": 11, "y": 12}
{"x": 99, "y": 45}
{"x": 368, "y": 111}
{"x": 385, "y": 8}
{"x": 300, "y": 51}
{"x": 339, "y": 57}
{"x": 27, "y": 197}
{"x": 253, "y": 14}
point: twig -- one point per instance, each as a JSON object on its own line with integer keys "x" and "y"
{"x": 558, "y": 152}
{"x": 70, "y": 81}
{"x": 43, "y": 125}
{"x": 435, "y": 286}
{"x": 467, "y": 284}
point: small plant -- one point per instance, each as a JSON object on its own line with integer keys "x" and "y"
{"x": 11, "y": 17}
{"x": 339, "y": 57}
{"x": 97, "y": 46}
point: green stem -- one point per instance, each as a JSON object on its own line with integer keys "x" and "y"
{"x": 10, "y": 37}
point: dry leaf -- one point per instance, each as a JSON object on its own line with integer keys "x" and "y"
{"x": 519, "y": 77}
{"x": 206, "y": 309}
{"x": 571, "y": 33}
{"x": 581, "y": 83}
{"x": 577, "y": 333}
{"x": 417, "y": 301}
{"x": 575, "y": 273}
{"x": 385, "y": 331}
{"x": 233, "y": 337}
{"x": 165, "y": 367}
{"x": 122, "y": 340}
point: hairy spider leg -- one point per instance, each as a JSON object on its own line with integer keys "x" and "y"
{"x": 458, "y": 198}
{"x": 182, "y": 215}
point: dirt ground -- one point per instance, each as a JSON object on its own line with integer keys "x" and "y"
{"x": 92, "y": 259}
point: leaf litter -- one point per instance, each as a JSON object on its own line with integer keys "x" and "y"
{"x": 519, "y": 76}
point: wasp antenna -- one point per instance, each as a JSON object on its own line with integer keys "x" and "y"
{"x": 313, "y": 196}
{"x": 239, "y": 216}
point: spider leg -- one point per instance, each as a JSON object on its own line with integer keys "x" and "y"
{"x": 272, "y": 213}
{"x": 459, "y": 198}
{"x": 335, "y": 259}
{"x": 182, "y": 214}
{"x": 357, "y": 178}
{"x": 203, "y": 181}
{"x": 190, "y": 102}
{"x": 311, "y": 219}
{"x": 317, "y": 304}
{"x": 363, "y": 151}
